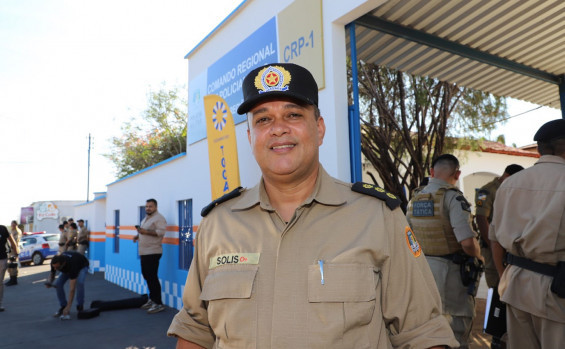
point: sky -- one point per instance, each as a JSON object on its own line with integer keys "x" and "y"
{"x": 70, "y": 68}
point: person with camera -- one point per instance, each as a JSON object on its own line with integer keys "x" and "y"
{"x": 150, "y": 235}
{"x": 5, "y": 237}
{"x": 440, "y": 216}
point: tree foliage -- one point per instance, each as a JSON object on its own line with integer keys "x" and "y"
{"x": 408, "y": 120}
{"x": 156, "y": 135}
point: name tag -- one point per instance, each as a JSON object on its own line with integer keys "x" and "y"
{"x": 423, "y": 208}
{"x": 234, "y": 258}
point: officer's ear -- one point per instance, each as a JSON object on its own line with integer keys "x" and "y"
{"x": 457, "y": 174}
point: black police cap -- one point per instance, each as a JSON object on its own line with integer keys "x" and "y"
{"x": 550, "y": 130}
{"x": 278, "y": 80}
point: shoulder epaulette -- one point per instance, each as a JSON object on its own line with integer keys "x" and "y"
{"x": 232, "y": 194}
{"x": 391, "y": 200}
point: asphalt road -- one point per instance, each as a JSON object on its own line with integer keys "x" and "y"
{"x": 28, "y": 320}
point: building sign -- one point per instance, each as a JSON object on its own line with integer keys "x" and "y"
{"x": 225, "y": 77}
{"x": 300, "y": 37}
{"x": 222, "y": 146}
{"x": 47, "y": 210}
{"x": 299, "y": 40}
{"x": 26, "y": 215}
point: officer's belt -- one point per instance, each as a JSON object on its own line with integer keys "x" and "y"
{"x": 453, "y": 257}
{"x": 529, "y": 264}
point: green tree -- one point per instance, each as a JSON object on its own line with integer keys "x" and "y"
{"x": 156, "y": 135}
{"x": 408, "y": 120}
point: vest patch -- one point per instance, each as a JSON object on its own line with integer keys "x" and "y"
{"x": 413, "y": 244}
{"x": 234, "y": 258}
{"x": 424, "y": 208}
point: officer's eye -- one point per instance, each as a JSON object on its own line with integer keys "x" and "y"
{"x": 261, "y": 120}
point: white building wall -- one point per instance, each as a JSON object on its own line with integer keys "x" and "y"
{"x": 479, "y": 168}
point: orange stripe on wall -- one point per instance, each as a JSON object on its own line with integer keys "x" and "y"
{"x": 132, "y": 227}
{"x": 98, "y": 240}
{"x": 170, "y": 241}
{"x": 92, "y": 233}
{"x": 127, "y": 227}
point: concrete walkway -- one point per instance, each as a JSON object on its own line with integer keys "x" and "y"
{"x": 28, "y": 320}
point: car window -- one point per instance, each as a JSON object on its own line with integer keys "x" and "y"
{"x": 29, "y": 241}
{"x": 51, "y": 238}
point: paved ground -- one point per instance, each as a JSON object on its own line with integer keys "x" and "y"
{"x": 28, "y": 321}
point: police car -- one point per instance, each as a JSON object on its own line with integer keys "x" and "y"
{"x": 36, "y": 248}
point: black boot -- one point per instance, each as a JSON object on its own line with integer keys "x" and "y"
{"x": 13, "y": 281}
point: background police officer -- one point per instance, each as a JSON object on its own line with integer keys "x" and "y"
{"x": 13, "y": 257}
{"x": 529, "y": 223}
{"x": 440, "y": 216}
{"x": 484, "y": 201}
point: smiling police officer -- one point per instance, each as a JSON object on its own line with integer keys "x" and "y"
{"x": 303, "y": 260}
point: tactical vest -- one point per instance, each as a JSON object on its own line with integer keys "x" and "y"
{"x": 430, "y": 223}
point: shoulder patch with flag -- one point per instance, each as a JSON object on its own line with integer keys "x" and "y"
{"x": 413, "y": 244}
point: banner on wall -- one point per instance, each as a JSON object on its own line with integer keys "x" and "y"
{"x": 294, "y": 35}
{"x": 222, "y": 146}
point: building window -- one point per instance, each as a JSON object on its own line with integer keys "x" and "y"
{"x": 185, "y": 234}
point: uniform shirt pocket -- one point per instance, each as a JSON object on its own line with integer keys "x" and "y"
{"x": 340, "y": 310}
{"x": 231, "y": 308}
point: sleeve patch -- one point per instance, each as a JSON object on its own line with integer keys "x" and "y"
{"x": 465, "y": 205}
{"x": 412, "y": 243}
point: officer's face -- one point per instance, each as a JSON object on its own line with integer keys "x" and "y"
{"x": 285, "y": 138}
{"x": 150, "y": 208}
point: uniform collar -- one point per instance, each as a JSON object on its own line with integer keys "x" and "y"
{"x": 550, "y": 159}
{"x": 325, "y": 192}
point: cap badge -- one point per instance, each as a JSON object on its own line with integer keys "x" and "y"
{"x": 272, "y": 78}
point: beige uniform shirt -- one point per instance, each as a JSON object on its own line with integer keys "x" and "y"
{"x": 71, "y": 235}
{"x": 529, "y": 221}
{"x": 16, "y": 234}
{"x": 341, "y": 274}
{"x": 484, "y": 198}
{"x": 149, "y": 244}
{"x": 83, "y": 234}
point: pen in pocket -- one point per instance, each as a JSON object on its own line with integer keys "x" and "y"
{"x": 321, "y": 264}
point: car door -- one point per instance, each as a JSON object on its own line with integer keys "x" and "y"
{"x": 27, "y": 248}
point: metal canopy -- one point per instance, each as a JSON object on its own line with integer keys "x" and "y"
{"x": 508, "y": 48}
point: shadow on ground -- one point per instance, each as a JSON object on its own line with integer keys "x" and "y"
{"x": 29, "y": 322}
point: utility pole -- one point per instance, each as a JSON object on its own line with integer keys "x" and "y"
{"x": 88, "y": 175}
